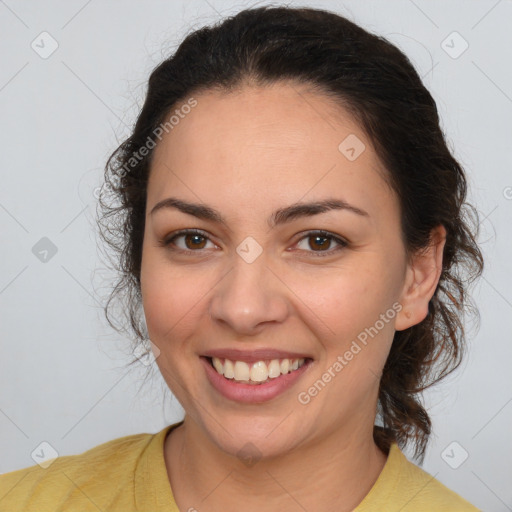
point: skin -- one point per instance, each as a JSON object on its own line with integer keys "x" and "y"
{"x": 247, "y": 154}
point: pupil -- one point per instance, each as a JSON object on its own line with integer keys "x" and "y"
{"x": 195, "y": 237}
{"x": 321, "y": 238}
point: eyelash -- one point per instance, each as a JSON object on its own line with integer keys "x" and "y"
{"x": 167, "y": 242}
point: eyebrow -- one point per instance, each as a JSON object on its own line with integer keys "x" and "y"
{"x": 280, "y": 216}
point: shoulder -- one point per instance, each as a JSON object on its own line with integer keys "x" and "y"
{"x": 429, "y": 490}
{"x": 72, "y": 478}
{"x": 405, "y": 486}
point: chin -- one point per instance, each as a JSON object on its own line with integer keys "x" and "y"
{"x": 249, "y": 438}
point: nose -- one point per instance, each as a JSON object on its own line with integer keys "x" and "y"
{"x": 249, "y": 296}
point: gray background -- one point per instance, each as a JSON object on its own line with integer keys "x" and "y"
{"x": 62, "y": 377}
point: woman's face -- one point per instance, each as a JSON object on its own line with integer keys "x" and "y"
{"x": 264, "y": 280}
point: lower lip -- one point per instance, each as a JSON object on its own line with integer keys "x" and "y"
{"x": 252, "y": 393}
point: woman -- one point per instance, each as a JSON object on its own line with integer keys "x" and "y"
{"x": 291, "y": 228}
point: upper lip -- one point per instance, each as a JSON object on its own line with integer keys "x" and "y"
{"x": 253, "y": 356}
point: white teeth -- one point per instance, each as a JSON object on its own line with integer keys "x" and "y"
{"x": 242, "y": 371}
{"x": 229, "y": 371}
{"x": 257, "y": 372}
{"x": 274, "y": 369}
{"x": 218, "y": 365}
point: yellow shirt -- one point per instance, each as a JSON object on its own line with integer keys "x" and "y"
{"x": 128, "y": 474}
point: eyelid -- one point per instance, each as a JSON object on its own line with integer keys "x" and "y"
{"x": 342, "y": 243}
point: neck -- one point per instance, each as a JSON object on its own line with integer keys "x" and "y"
{"x": 333, "y": 473}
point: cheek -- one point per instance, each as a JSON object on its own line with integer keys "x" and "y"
{"x": 172, "y": 297}
{"x": 353, "y": 312}
{"x": 347, "y": 300}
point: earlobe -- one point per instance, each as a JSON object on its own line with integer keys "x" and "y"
{"x": 421, "y": 280}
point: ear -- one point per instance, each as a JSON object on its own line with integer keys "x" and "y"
{"x": 422, "y": 276}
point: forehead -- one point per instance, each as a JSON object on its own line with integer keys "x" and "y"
{"x": 285, "y": 139}
{"x": 281, "y": 115}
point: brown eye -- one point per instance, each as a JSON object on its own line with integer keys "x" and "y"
{"x": 193, "y": 241}
{"x": 320, "y": 242}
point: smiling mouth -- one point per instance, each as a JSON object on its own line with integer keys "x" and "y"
{"x": 260, "y": 372}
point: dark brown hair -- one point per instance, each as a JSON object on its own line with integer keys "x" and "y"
{"x": 379, "y": 86}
